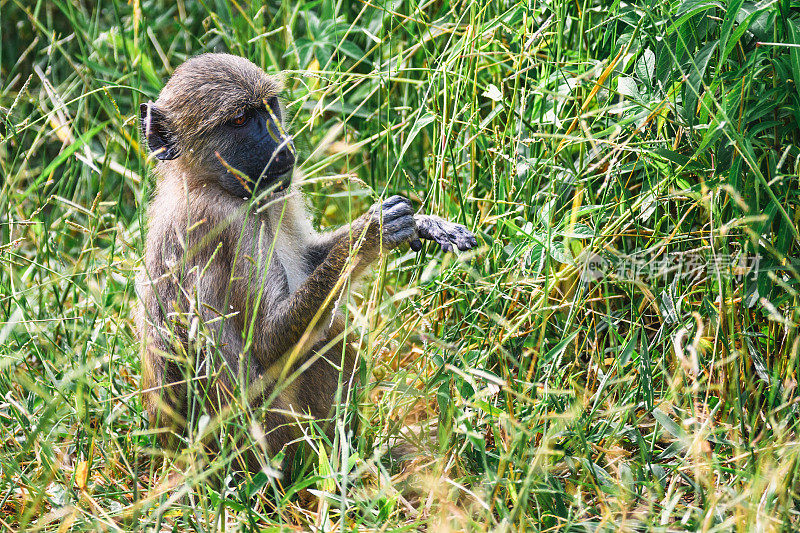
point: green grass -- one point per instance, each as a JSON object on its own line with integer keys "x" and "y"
{"x": 656, "y": 139}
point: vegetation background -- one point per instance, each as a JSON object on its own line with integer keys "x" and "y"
{"x": 622, "y": 352}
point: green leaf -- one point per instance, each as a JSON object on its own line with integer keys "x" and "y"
{"x": 734, "y": 38}
{"x": 667, "y": 423}
{"x": 558, "y": 350}
{"x": 420, "y": 123}
{"x": 353, "y": 51}
{"x": 645, "y": 68}
{"x": 326, "y": 482}
{"x": 794, "y": 52}
{"x": 580, "y": 231}
{"x": 693, "y": 85}
{"x": 629, "y": 349}
{"x": 60, "y": 158}
{"x": 601, "y": 476}
{"x": 673, "y": 157}
{"x": 688, "y": 9}
{"x": 727, "y": 23}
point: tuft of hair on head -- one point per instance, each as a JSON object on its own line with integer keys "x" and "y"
{"x": 210, "y": 89}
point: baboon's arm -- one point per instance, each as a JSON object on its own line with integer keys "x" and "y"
{"x": 360, "y": 243}
{"x": 449, "y": 235}
{"x": 318, "y": 250}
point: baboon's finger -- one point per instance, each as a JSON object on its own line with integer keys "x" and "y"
{"x": 448, "y": 235}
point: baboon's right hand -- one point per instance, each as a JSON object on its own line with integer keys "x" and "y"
{"x": 397, "y": 225}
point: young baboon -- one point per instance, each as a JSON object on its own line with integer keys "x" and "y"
{"x": 238, "y": 291}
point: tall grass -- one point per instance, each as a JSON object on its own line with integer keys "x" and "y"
{"x": 621, "y": 352}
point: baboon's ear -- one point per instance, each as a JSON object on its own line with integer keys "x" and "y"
{"x": 156, "y": 129}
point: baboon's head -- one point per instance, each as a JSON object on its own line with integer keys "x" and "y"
{"x": 219, "y": 117}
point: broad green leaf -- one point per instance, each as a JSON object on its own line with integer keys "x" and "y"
{"x": 645, "y": 68}
{"x": 735, "y": 36}
{"x": 694, "y": 81}
{"x": 727, "y": 24}
{"x": 580, "y": 231}
{"x": 667, "y": 423}
{"x": 690, "y": 8}
{"x": 419, "y": 123}
{"x": 627, "y": 87}
{"x": 353, "y": 51}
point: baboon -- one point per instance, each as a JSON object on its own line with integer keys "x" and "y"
{"x": 238, "y": 291}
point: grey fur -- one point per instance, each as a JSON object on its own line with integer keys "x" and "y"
{"x": 237, "y": 314}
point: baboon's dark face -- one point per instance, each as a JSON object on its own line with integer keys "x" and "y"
{"x": 220, "y": 116}
{"x": 253, "y": 152}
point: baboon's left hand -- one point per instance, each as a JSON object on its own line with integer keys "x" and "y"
{"x": 449, "y": 235}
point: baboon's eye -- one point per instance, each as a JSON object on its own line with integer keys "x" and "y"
{"x": 240, "y": 119}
